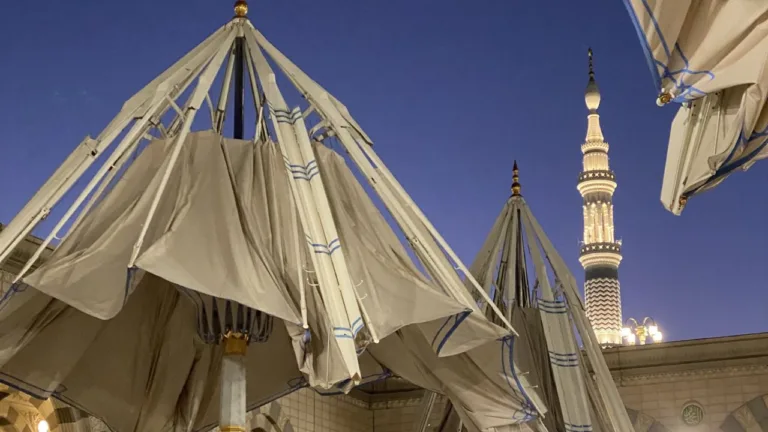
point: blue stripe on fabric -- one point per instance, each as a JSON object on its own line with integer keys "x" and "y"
{"x": 527, "y": 411}
{"x": 552, "y": 306}
{"x": 650, "y": 60}
{"x": 284, "y": 116}
{"x": 357, "y": 325}
{"x": 309, "y": 165}
{"x": 343, "y": 333}
{"x": 12, "y": 290}
{"x": 329, "y": 248}
{"x": 564, "y": 360}
{"x": 578, "y": 428}
{"x": 727, "y": 167}
{"x": 458, "y": 319}
{"x": 683, "y": 92}
{"x": 303, "y": 172}
{"x": 128, "y": 279}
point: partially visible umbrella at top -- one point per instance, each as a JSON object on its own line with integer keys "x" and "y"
{"x": 711, "y": 56}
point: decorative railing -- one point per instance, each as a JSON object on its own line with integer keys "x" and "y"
{"x": 597, "y": 175}
{"x": 600, "y": 247}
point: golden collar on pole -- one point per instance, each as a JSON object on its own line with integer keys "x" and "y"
{"x": 235, "y": 343}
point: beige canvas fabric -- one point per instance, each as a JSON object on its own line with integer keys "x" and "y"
{"x": 484, "y": 384}
{"x": 711, "y": 54}
{"x": 128, "y": 344}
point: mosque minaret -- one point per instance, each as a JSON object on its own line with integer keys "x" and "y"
{"x": 600, "y": 253}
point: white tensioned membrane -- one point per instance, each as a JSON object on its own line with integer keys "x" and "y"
{"x": 548, "y": 317}
{"x": 201, "y": 235}
{"x": 710, "y": 56}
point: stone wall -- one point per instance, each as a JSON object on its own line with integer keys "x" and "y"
{"x": 404, "y": 415}
{"x": 307, "y": 411}
{"x": 701, "y": 385}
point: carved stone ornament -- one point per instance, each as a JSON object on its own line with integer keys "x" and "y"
{"x": 692, "y": 414}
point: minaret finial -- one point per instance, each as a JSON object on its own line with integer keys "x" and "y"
{"x": 241, "y": 8}
{"x": 515, "y": 180}
{"x": 592, "y": 93}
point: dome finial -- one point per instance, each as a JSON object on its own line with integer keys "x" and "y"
{"x": 515, "y": 180}
{"x": 241, "y": 8}
{"x": 592, "y": 94}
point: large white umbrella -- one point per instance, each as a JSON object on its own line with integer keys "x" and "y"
{"x": 529, "y": 281}
{"x": 187, "y": 247}
{"x": 711, "y": 57}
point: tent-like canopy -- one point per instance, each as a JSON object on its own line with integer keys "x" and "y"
{"x": 530, "y": 283}
{"x": 198, "y": 274}
{"x": 710, "y": 57}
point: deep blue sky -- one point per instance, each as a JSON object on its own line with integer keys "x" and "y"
{"x": 451, "y": 91}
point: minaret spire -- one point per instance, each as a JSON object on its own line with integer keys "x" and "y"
{"x": 600, "y": 251}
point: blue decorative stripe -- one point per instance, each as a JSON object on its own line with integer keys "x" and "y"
{"x": 284, "y": 116}
{"x": 328, "y": 249}
{"x": 343, "y": 333}
{"x": 564, "y": 360}
{"x": 683, "y": 92}
{"x": 457, "y": 320}
{"x": 527, "y": 412}
{"x": 646, "y": 46}
{"x": 553, "y": 307}
{"x": 15, "y": 288}
{"x": 578, "y": 428}
{"x": 729, "y": 165}
{"x": 128, "y": 279}
{"x": 357, "y": 325}
{"x": 303, "y": 172}
{"x": 552, "y": 303}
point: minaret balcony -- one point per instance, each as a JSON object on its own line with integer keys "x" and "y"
{"x": 596, "y": 181}
{"x": 597, "y": 175}
{"x": 608, "y": 253}
{"x": 614, "y": 247}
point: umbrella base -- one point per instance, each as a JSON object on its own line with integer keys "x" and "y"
{"x": 232, "y": 396}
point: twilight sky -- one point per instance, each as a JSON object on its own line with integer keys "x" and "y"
{"x": 451, "y": 91}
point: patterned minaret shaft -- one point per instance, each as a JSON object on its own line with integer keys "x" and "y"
{"x": 600, "y": 251}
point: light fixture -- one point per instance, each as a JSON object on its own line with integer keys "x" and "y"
{"x": 42, "y": 426}
{"x": 626, "y": 332}
{"x": 631, "y": 339}
{"x": 634, "y": 332}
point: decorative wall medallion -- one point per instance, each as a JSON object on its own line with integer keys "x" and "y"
{"x": 693, "y": 414}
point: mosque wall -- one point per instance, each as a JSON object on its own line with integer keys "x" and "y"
{"x": 404, "y": 415}
{"x": 718, "y": 384}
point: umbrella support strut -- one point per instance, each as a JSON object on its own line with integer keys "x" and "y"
{"x": 232, "y": 394}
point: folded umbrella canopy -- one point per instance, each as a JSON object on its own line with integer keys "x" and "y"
{"x": 185, "y": 247}
{"x": 711, "y": 56}
{"x": 549, "y": 316}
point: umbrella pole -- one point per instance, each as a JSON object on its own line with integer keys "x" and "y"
{"x": 232, "y": 406}
{"x": 232, "y": 394}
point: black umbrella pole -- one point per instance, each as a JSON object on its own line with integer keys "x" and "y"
{"x": 239, "y": 88}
